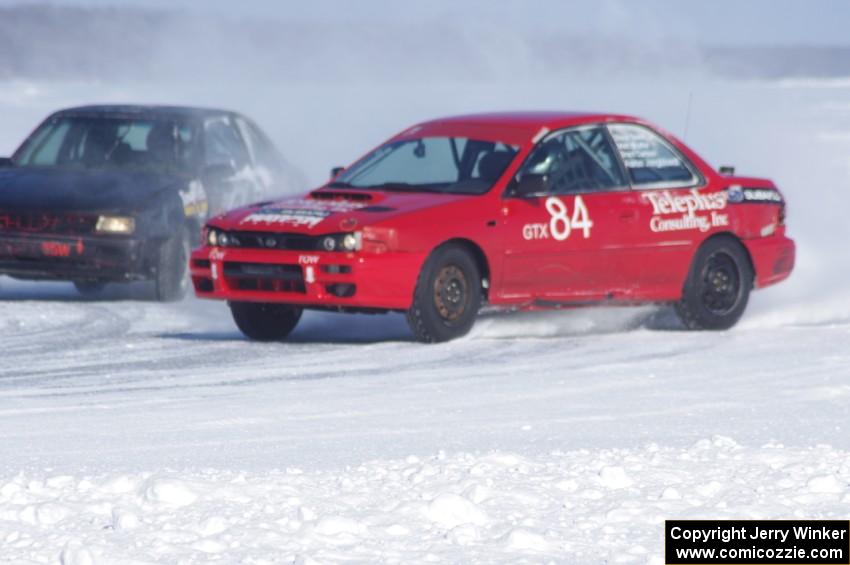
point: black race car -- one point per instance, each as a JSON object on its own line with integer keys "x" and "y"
{"x": 102, "y": 194}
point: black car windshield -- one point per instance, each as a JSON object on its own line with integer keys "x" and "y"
{"x": 110, "y": 143}
{"x": 431, "y": 164}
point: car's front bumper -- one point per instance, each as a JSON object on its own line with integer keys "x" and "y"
{"x": 312, "y": 279}
{"x": 73, "y": 257}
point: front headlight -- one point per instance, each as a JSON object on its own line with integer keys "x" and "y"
{"x": 351, "y": 241}
{"x": 344, "y": 242}
{"x": 212, "y": 237}
{"x": 115, "y": 224}
{"x": 220, "y": 238}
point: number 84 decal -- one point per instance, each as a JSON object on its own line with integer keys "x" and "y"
{"x": 561, "y": 223}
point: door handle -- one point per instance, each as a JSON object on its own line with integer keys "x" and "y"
{"x": 628, "y": 215}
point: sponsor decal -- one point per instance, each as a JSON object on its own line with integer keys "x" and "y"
{"x": 194, "y": 199}
{"x": 738, "y": 194}
{"x": 308, "y": 259}
{"x": 27, "y": 222}
{"x": 640, "y": 149}
{"x": 735, "y": 193}
{"x": 561, "y": 224}
{"x": 761, "y": 195}
{"x": 691, "y": 211}
{"x": 293, "y": 216}
{"x": 296, "y": 212}
{"x": 35, "y": 222}
{"x": 55, "y": 249}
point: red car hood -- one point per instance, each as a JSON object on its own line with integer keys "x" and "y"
{"x": 329, "y": 210}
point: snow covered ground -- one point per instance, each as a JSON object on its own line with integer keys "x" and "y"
{"x": 587, "y": 506}
{"x": 133, "y": 432}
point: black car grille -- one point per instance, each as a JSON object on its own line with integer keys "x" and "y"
{"x": 47, "y": 222}
{"x": 259, "y": 240}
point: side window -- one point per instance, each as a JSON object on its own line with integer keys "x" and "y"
{"x": 650, "y": 160}
{"x": 261, "y": 149}
{"x": 222, "y": 144}
{"x": 576, "y": 160}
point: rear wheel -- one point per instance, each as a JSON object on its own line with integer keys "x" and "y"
{"x": 265, "y": 321}
{"x": 447, "y": 296}
{"x": 172, "y": 269}
{"x": 718, "y": 286}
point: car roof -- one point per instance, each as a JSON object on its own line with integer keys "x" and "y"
{"x": 513, "y": 125}
{"x": 139, "y": 110}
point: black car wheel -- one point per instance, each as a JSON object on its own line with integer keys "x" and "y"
{"x": 265, "y": 322}
{"x": 718, "y": 286}
{"x": 172, "y": 270}
{"x": 447, "y": 296}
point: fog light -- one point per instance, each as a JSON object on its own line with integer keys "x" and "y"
{"x": 341, "y": 290}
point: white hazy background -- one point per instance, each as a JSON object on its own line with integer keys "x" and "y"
{"x": 746, "y": 87}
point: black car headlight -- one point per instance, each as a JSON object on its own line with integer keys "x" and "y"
{"x": 345, "y": 242}
{"x": 115, "y": 224}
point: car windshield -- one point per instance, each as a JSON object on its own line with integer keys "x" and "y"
{"x": 431, "y": 164}
{"x": 110, "y": 143}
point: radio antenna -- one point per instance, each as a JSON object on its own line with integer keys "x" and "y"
{"x": 688, "y": 115}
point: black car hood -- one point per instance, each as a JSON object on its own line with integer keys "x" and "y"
{"x": 25, "y": 188}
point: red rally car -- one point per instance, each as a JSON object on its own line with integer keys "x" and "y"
{"x": 514, "y": 210}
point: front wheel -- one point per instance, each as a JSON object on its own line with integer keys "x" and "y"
{"x": 265, "y": 321}
{"x": 718, "y": 286}
{"x": 447, "y": 296}
{"x": 172, "y": 269}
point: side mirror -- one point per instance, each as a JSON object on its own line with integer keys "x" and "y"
{"x": 529, "y": 185}
{"x": 218, "y": 172}
{"x": 336, "y": 171}
{"x": 6, "y": 162}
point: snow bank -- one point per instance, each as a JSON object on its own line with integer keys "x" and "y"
{"x": 582, "y": 506}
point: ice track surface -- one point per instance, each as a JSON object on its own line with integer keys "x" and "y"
{"x": 135, "y": 432}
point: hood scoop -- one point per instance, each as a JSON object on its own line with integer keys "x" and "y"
{"x": 350, "y": 196}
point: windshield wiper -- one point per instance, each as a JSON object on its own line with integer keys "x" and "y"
{"x": 341, "y": 184}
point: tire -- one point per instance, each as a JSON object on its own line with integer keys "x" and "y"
{"x": 447, "y": 296}
{"x": 171, "y": 280}
{"x": 89, "y": 288}
{"x": 265, "y": 321}
{"x": 718, "y": 287}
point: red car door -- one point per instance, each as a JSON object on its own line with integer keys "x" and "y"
{"x": 563, "y": 234}
{"x": 673, "y": 211}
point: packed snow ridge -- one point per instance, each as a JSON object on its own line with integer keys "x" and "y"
{"x": 586, "y": 506}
